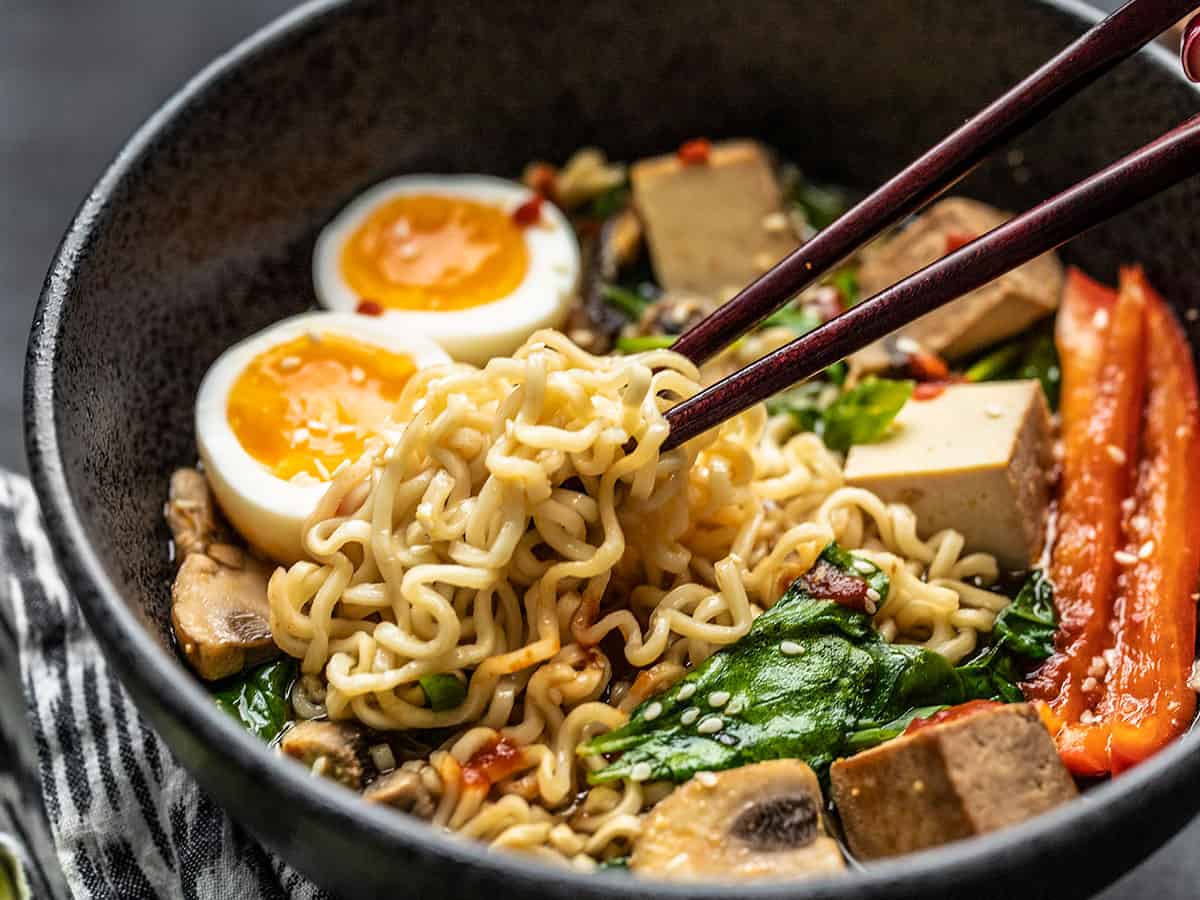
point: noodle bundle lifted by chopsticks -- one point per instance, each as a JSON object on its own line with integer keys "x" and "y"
{"x": 524, "y": 534}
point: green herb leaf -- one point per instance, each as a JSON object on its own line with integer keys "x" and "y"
{"x": 631, "y": 303}
{"x": 846, "y": 281}
{"x": 871, "y": 734}
{"x": 608, "y": 203}
{"x": 805, "y": 403}
{"x": 810, "y": 674}
{"x": 259, "y": 697}
{"x": 821, "y": 205}
{"x": 616, "y": 864}
{"x": 863, "y": 414}
{"x": 642, "y": 343}
{"x": 443, "y": 690}
{"x": 1031, "y": 355}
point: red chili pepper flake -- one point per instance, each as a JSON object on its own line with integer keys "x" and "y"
{"x": 828, "y": 582}
{"x": 926, "y": 366}
{"x": 529, "y": 212}
{"x": 956, "y": 240}
{"x": 542, "y": 178}
{"x": 929, "y": 390}
{"x": 369, "y": 308}
{"x": 953, "y": 714}
{"x": 694, "y": 152}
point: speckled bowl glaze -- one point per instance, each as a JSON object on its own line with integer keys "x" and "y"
{"x": 201, "y": 232}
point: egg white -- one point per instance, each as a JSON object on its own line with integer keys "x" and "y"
{"x": 268, "y": 511}
{"x": 478, "y": 333}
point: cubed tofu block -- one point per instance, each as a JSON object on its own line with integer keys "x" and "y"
{"x": 974, "y": 458}
{"x": 712, "y": 227}
{"x": 948, "y": 782}
{"x": 995, "y": 311}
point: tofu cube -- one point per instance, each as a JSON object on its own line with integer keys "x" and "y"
{"x": 712, "y": 227}
{"x": 948, "y": 782}
{"x": 997, "y": 310}
{"x": 975, "y": 458}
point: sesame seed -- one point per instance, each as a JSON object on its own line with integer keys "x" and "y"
{"x": 1125, "y": 558}
{"x": 718, "y": 698}
{"x": 790, "y": 648}
{"x": 711, "y": 725}
{"x": 708, "y": 779}
{"x": 873, "y": 595}
{"x": 907, "y": 345}
{"x": 290, "y": 363}
{"x": 1090, "y": 684}
{"x": 1087, "y": 717}
{"x": 993, "y": 412}
{"x": 690, "y": 715}
{"x": 775, "y": 222}
{"x": 736, "y": 705}
{"x": 870, "y": 607}
{"x": 653, "y": 711}
{"x": 1140, "y": 522}
{"x": 863, "y": 566}
{"x": 300, "y": 436}
{"x": 1098, "y": 668}
{"x": 640, "y": 772}
{"x": 357, "y": 375}
{"x": 1127, "y": 505}
{"x": 1100, "y": 318}
{"x": 1145, "y": 550}
{"x": 686, "y": 691}
{"x": 1116, "y": 454}
{"x": 316, "y": 425}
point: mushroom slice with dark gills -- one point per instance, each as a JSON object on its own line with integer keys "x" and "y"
{"x": 220, "y": 612}
{"x": 191, "y": 515}
{"x": 335, "y": 750}
{"x": 755, "y": 822}
{"x": 403, "y": 789}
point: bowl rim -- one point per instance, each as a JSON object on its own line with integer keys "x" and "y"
{"x": 179, "y": 699}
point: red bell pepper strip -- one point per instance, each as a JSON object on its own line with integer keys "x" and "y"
{"x": 1100, "y": 337}
{"x": 1149, "y": 701}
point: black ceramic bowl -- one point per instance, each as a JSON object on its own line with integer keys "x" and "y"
{"x": 201, "y": 231}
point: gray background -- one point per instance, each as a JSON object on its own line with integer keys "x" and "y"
{"x": 75, "y": 79}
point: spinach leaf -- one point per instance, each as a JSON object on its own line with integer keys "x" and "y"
{"x": 800, "y": 319}
{"x": 443, "y": 690}
{"x": 629, "y": 302}
{"x": 863, "y": 414}
{"x": 258, "y": 697}
{"x": 608, "y": 203}
{"x": 1031, "y": 355}
{"x": 811, "y": 673}
{"x": 820, "y": 204}
{"x": 805, "y": 403}
{"x": 871, "y": 734}
{"x": 1023, "y": 633}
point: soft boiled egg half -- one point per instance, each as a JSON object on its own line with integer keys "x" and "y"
{"x": 474, "y": 262}
{"x": 278, "y": 414}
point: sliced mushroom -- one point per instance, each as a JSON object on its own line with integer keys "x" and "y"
{"x": 220, "y": 611}
{"x": 191, "y": 515}
{"x": 335, "y": 750}
{"x": 758, "y": 821}
{"x": 404, "y": 790}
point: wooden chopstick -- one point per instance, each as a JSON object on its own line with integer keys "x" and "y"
{"x": 1099, "y": 49}
{"x": 1148, "y": 170}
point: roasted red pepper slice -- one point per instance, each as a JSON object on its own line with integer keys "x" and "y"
{"x": 1149, "y": 701}
{"x": 1100, "y": 337}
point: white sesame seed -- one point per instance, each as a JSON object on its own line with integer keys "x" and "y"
{"x": 300, "y": 436}
{"x": 1145, "y": 550}
{"x": 993, "y": 412}
{"x": 1140, "y": 522}
{"x": 1116, "y": 454}
{"x": 1125, "y": 558}
{"x": 863, "y": 566}
{"x": 1090, "y": 684}
{"x": 1110, "y": 657}
{"x": 718, "y": 698}
{"x": 711, "y": 725}
{"x": 1098, "y": 668}
{"x": 640, "y": 772}
{"x": 690, "y": 715}
{"x": 790, "y": 648}
{"x": 1087, "y": 717}
{"x": 290, "y": 363}
{"x": 708, "y": 779}
{"x": 1127, "y": 505}
{"x": 736, "y": 705}
{"x": 316, "y": 425}
{"x": 907, "y": 345}
{"x": 775, "y": 222}
{"x": 357, "y": 375}
{"x": 653, "y": 711}
{"x": 873, "y": 595}
{"x": 870, "y": 607}
{"x": 1100, "y": 318}
{"x": 686, "y": 691}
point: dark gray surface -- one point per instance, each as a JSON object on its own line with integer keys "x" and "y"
{"x": 75, "y": 79}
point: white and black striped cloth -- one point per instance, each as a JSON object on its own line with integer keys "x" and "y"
{"x": 125, "y": 820}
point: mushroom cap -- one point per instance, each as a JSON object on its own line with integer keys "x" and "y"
{"x": 758, "y": 821}
{"x": 336, "y": 750}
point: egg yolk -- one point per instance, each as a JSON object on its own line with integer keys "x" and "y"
{"x": 311, "y": 404}
{"x": 434, "y": 253}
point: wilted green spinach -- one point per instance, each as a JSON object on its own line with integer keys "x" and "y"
{"x": 259, "y": 697}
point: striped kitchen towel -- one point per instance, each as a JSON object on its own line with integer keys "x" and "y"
{"x": 126, "y": 820}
